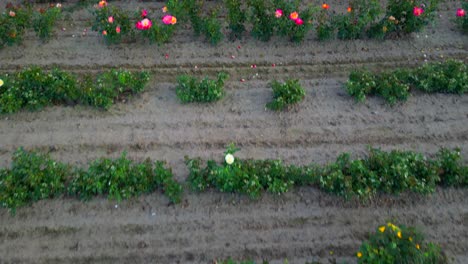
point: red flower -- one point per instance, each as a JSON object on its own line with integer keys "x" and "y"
{"x": 460, "y": 12}
{"x": 117, "y": 29}
{"x": 349, "y": 9}
{"x": 417, "y": 11}
{"x": 104, "y": 32}
{"x": 144, "y": 24}
{"x": 299, "y": 21}
{"x": 325, "y": 6}
{"x": 144, "y": 13}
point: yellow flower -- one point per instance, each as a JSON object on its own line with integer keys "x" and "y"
{"x": 417, "y": 246}
{"x": 1, "y": 82}
{"x": 382, "y": 229}
{"x": 399, "y": 234}
{"x": 384, "y": 29}
{"x": 359, "y": 255}
{"x": 410, "y": 239}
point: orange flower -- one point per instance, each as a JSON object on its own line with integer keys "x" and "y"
{"x": 102, "y": 3}
{"x": 349, "y": 9}
{"x": 164, "y": 9}
{"x": 294, "y": 16}
{"x": 173, "y": 20}
{"x": 325, "y": 6}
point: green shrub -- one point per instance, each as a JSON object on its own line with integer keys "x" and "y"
{"x": 451, "y": 171}
{"x": 354, "y": 23}
{"x": 193, "y": 8}
{"x": 33, "y": 88}
{"x": 122, "y": 179}
{"x": 447, "y": 77}
{"x": 236, "y": 18}
{"x": 399, "y": 244}
{"x": 44, "y": 21}
{"x": 286, "y": 94}
{"x": 211, "y": 27}
{"x": 263, "y": 24}
{"x": 295, "y": 30}
{"x": 13, "y": 23}
{"x": 190, "y": 89}
{"x": 32, "y": 177}
{"x": 461, "y": 18}
{"x": 325, "y": 25}
{"x": 113, "y": 31}
{"x": 400, "y": 18}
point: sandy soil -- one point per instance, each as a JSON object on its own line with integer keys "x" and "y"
{"x": 303, "y": 225}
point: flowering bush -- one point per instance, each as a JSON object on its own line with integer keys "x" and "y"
{"x": 461, "y": 17}
{"x": 325, "y": 26}
{"x": 112, "y": 22}
{"x": 286, "y": 94}
{"x": 13, "y": 23}
{"x": 44, "y": 21}
{"x": 190, "y": 89}
{"x": 399, "y": 244}
{"x": 404, "y": 17}
{"x": 159, "y": 31}
{"x": 360, "y": 14}
{"x": 236, "y": 18}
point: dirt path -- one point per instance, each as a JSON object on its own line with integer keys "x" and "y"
{"x": 303, "y": 225}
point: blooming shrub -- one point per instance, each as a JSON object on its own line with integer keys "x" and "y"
{"x": 32, "y": 177}
{"x": 451, "y": 171}
{"x": 399, "y": 244}
{"x": 361, "y": 13}
{"x": 159, "y": 31}
{"x": 286, "y": 94}
{"x": 33, "y": 88}
{"x": 404, "y": 17}
{"x": 112, "y": 22}
{"x": 44, "y": 21}
{"x": 325, "y": 26}
{"x": 461, "y": 17}
{"x": 122, "y": 179}
{"x": 190, "y": 89}
{"x": 447, "y": 77}
{"x": 13, "y": 23}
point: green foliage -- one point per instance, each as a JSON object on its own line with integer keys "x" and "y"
{"x": 34, "y": 89}
{"x": 211, "y": 28}
{"x": 447, "y": 77}
{"x": 391, "y": 172}
{"x": 451, "y": 171}
{"x": 236, "y": 18}
{"x": 286, "y": 94}
{"x": 122, "y": 179}
{"x": 158, "y": 33}
{"x": 190, "y": 89}
{"x": 32, "y": 177}
{"x": 462, "y": 22}
{"x": 400, "y": 19}
{"x": 354, "y": 23}
{"x": 325, "y": 25}
{"x": 110, "y": 30}
{"x": 13, "y": 23}
{"x": 44, "y": 21}
{"x": 193, "y": 8}
{"x": 263, "y": 24}
{"x": 399, "y": 244}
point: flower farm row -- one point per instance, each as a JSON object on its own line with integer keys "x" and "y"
{"x": 33, "y": 88}
{"x": 266, "y": 18}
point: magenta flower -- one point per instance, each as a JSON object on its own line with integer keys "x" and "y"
{"x": 299, "y": 21}
{"x": 417, "y": 11}
{"x": 144, "y": 24}
{"x": 169, "y": 20}
{"x": 278, "y": 13}
{"x": 110, "y": 19}
{"x": 144, "y": 13}
{"x": 460, "y": 12}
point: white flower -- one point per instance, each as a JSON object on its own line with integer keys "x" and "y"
{"x": 229, "y": 159}
{"x": 59, "y": 5}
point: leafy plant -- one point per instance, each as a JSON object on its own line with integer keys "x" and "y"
{"x": 122, "y": 179}
{"x": 112, "y": 22}
{"x": 325, "y": 26}
{"x": 461, "y": 17}
{"x": 450, "y": 76}
{"x": 451, "y": 171}
{"x": 194, "y": 10}
{"x": 13, "y": 23}
{"x": 44, "y": 21}
{"x": 190, "y": 89}
{"x": 236, "y": 18}
{"x": 212, "y": 28}
{"x": 399, "y": 244}
{"x": 32, "y": 177}
{"x": 157, "y": 32}
{"x": 286, "y": 94}
{"x": 263, "y": 25}
{"x": 361, "y": 13}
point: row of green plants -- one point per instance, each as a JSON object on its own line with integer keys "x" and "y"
{"x": 34, "y": 176}
{"x": 391, "y": 172}
{"x": 450, "y": 76}
{"x": 33, "y": 88}
{"x": 389, "y": 244}
{"x": 16, "y": 19}
{"x": 462, "y": 18}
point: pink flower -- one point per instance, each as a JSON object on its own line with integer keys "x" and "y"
{"x": 294, "y": 16}
{"x": 12, "y": 14}
{"x": 117, "y": 29}
{"x": 299, "y": 21}
{"x": 144, "y": 24}
{"x": 110, "y": 19}
{"x": 460, "y": 12}
{"x": 278, "y": 13}
{"x": 144, "y": 13}
{"x": 104, "y": 32}
{"x": 168, "y": 19}
{"x": 417, "y": 11}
